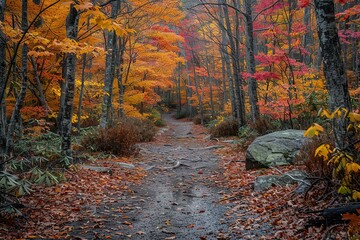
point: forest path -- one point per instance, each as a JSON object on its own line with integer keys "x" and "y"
{"x": 176, "y": 200}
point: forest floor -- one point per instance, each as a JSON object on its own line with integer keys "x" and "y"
{"x": 176, "y": 200}
{"x": 184, "y": 186}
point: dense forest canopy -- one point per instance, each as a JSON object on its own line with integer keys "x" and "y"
{"x": 73, "y": 63}
{"x": 81, "y": 79}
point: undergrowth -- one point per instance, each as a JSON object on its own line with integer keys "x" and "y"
{"x": 223, "y": 127}
{"x": 121, "y": 138}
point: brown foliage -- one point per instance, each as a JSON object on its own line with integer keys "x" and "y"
{"x": 121, "y": 138}
{"x": 197, "y": 119}
{"x": 315, "y": 165}
{"x": 264, "y": 125}
{"x": 226, "y": 128}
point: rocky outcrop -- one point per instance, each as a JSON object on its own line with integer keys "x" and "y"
{"x": 265, "y": 182}
{"x": 274, "y": 149}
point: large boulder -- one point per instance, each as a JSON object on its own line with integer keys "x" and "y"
{"x": 274, "y": 149}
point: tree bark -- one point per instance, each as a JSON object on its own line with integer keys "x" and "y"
{"x": 39, "y": 86}
{"x": 188, "y": 83}
{"x": 119, "y": 75}
{"x": 15, "y": 117}
{"x": 235, "y": 67}
{"x": 334, "y": 72}
{"x": 72, "y": 21}
{"x": 82, "y": 90}
{"x": 106, "y": 113}
{"x": 226, "y": 58}
{"x": 250, "y": 63}
{"x": 3, "y": 121}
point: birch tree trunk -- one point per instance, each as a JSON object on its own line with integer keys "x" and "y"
{"x": 3, "y": 122}
{"x": 15, "y": 117}
{"x": 72, "y": 21}
{"x": 334, "y": 72}
{"x": 106, "y": 112}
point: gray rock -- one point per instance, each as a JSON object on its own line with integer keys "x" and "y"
{"x": 97, "y": 169}
{"x": 275, "y": 149}
{"x": 124, "y": 165}
{"x": 292, "y": 177}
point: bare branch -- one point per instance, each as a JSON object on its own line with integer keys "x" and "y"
{"x": 267, "y": 8}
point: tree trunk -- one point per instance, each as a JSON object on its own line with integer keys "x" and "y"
{"x": 250, "y": 63}
{"x": 178, "y": 87}
{"x": 39, "y": 86}
{"x": 3, "y": 121}
{"x": 226, "y": 58}
{"x": 307, "y": 39}
{"x": 106, "y": 113}
{"x": 119, "y": 75}
{"x": 334, "y": 72}
{"x": 239, "y": 88}
{"x": 72, "y": 21}
{"x": 81, "y": 95}
{"x": 235, "y": 67}
{"x": 188, "y": 83}
{"x": 197, "y": 89}
{"x": 15, "y": 117}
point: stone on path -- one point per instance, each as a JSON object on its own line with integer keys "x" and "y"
{"x": 274, "y": 149}
{"x": 292, "y": 177}
{"x": 97, "y": 169}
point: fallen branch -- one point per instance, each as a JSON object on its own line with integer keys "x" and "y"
{"x": 178, "y": 164}
{"x": 331, "y": 216}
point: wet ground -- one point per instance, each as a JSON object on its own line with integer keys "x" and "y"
{"x": 175, "y": 201}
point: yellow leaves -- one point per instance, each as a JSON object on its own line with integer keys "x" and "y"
{"x": 356, "y": 195}
{"x": 340, "y": 112}
{"x": 314, "y": 130}
{"x": 323, "y": 151}
{"x": 354, "y": 117}
{"x": 352, "y": 167}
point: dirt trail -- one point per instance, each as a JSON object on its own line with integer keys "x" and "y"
{"x": 176, "y": 200}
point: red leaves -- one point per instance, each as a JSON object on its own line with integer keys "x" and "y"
{"x": 304, "y": 3}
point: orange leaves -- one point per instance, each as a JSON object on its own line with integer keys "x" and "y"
{"x": 50, "y": 216}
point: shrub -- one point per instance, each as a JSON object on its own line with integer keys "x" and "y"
{"x": 155, "y": 117}
{"x": 197, "y": 119}
{"x": 224, "y": 128}
{"x": 265, "y": 125}
{"x": 247, "y": 135}
{"x": 342, "y": 163}
{"x": 118, "y": 140}
{"x": 145, "y": 128}
{"x": 315, "y": 165}
{"x": 121, "y": 138}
